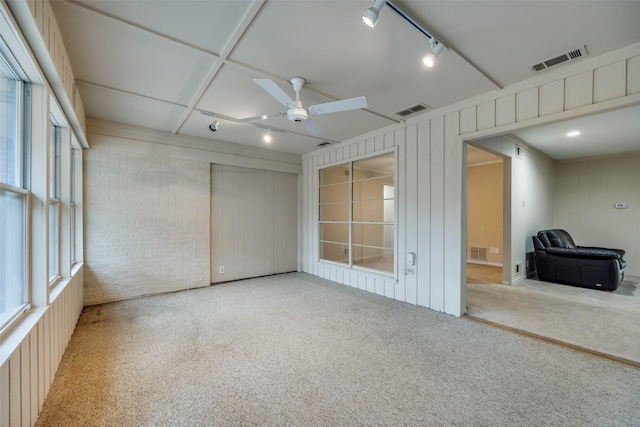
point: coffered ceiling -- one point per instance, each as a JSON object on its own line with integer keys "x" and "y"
{"x": 162, "y": 64}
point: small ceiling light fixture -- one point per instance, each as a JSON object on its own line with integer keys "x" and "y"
{"x": 370, "y": 16}
{"x": 573, "y": 133}
{"x": 267, "y": 136}
{"x": 430, "y": 59}
{"x": 214, "y": 126}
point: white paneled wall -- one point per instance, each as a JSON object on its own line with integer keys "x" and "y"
{"x": 254, "y": 222}
{"x": 27, "y": 373}
{"x": 430, "y": 176}
{"x": 146, "y": 224}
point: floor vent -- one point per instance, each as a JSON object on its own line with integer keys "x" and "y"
{"x": 478, "y": 254}
{"x": 576, "y": 53}
{"x": 411, "y": 110}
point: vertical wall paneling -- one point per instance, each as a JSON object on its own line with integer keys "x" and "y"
{"x": 526, "y": 105}
{"x": 583, "y": 88}
{"x": 468, "y": 118}
{"x": 453, "y": 215}
{"x": 610, "y": 82}
{"x": 578, "y": 90}
{"x": 411, "y": 212}
{"x": 253, "y": 222}
{"x": 506, "y": 110}
{"x": 5, "y": 406}
{"x": 633, "y": 75}
{"x": 437, "y": 214}
{"x": 551, "y": 98}
{"x": 27, "y": 373}
{"x": 424, "y": 213}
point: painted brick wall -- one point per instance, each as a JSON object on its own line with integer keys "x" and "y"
{"x": 147, "y": 222}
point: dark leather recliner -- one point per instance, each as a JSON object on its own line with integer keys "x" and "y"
{"x": 559, "y": 260}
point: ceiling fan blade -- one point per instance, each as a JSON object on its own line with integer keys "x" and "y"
{"x": 274, "y": 90}
{"x": 313, "y": 126}
{"x": 261, "y": 117}
{"x": 337, "y": 106}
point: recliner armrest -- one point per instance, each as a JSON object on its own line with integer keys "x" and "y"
{"x": 591, "y": 253}
{"x": 619, "y": 251}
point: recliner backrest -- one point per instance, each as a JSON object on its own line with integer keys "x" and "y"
{"x": 556, "y": 238}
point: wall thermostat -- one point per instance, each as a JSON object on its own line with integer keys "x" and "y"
{"x": 411, "y": 259}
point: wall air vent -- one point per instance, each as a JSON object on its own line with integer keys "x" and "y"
{"x": 574, "y": 54}
{"x": 478, "y": 254}
{"x": 411, "y": 110}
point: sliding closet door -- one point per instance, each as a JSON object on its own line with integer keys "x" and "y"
{"x": 254, "y": 222}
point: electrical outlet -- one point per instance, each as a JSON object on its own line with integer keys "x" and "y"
{"x": 410, "y": 271}
{"x": 222, "y": 269}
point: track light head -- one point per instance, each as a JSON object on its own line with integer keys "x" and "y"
{"x": 214, "y": 126}
{"x": 370, "y": 16}
{"x": 430, "y": 58}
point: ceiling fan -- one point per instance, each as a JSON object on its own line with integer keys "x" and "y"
{"x": 296, "y": 112}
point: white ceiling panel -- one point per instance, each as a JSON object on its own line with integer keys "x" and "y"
{"x": 115, "y": 55}
{"x": 504, "y": 38}
{"x": 156, "y": 63}
{"x": 129, "y": 109}
{"x": 205, "y": 24}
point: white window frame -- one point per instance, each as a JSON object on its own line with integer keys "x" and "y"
{"x": 21, "y": 181}
{"x": 350, "y": 223}
{"x": 54, "y": 203}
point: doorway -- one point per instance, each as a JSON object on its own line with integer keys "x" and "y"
{"x": 486, "y": 242}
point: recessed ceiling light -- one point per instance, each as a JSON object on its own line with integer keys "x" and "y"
{"x": 573, "y": 133}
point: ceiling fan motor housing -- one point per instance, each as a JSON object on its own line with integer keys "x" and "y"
{"x": 297, "y": 115}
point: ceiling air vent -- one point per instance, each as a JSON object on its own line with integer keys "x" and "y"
{"x": 567, "y": 56}
{"x": 412, "y": 110}
{"x": 323, "y": 144}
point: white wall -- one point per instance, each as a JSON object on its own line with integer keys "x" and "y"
{"x": 148, "y": 210}
{"x": 430, "y": 178}
{"x": 532, "y": 188}
{"x": 586, "y": 191}
{"x": 146, "y": 225}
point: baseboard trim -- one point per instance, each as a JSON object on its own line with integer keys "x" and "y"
{"x": 594, "y": 353}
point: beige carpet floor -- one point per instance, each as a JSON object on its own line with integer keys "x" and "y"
{"x": 605, "y": 322}
{"x": 297, "y": 350}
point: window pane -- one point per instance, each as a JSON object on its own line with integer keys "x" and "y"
{"x": 373, "y": 235}
{"x": 338, "y": 233}
{"x": 371, "y": 188}
{"x": 53, "y": 239}
{"x": 12, "y": 254}
{"x": 9, "y": 134}
{"x": 334, "y": 193}
{"x": 374, "y": 167}
{"x": 374, "y": 258}
{"x": 334, "y": 252}
{"x": 334, "y": 212}
{"x": 334, "y": 175}
{"x": 72, "y": 229}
